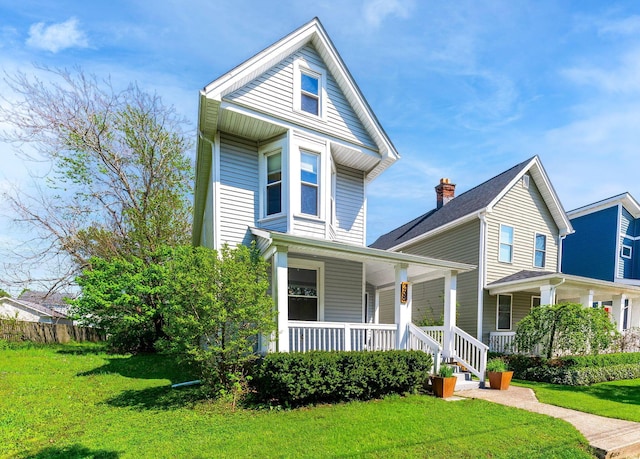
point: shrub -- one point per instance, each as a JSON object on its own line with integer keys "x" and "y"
{"x": 295, "y": 379}
{"x": 497, "y": 365}
{"x": 576, "y": 370}
{"x": 566, "y": 328}
{"x": 445, "y": 371}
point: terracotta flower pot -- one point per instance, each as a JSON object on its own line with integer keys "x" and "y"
{"x": 443, "y": 387}
{"x": 500, "y": 379}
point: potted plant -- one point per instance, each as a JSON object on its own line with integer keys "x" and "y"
{"x": 499, "y": 375}
{"x": 444, "y": 382}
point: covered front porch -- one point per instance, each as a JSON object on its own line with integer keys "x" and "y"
{"x": 622, "y": 301}
{"x": 327, "y": 295}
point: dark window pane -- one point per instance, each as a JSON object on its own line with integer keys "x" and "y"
{"x": 273, "y": 199}
{"x": 539, "y": 262}
{"x": 309, "y": 104}
{"x": 309, "y": 83}
{"x": 274, "y": 177}
{"x": 301, "y": 308}
{"x": 309, "y": 200}
{"x": 504, "y": 312}
{"x": 541, "y": 242}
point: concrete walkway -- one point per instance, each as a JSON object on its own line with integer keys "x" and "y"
{"x": 610, "y": 438}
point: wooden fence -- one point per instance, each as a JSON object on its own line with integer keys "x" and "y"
{"x": 14, "y": 330}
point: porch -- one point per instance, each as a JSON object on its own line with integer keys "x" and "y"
{"x": 316, "y": 283}
{"x": 516, "y": 295}
{"x": 458, "y": 347}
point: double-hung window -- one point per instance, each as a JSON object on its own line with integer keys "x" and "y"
{"x": 309, "y": 183}
{"x": 503, "y": 319}
{"x": 505, "y": 254}
{"x": 309, "y": 84}
{"x": 310, "y": 92}
{"x": 274, "y": 184}
{"x": 540, "y": 251}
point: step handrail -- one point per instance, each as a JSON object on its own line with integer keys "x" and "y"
{"x": 419, "y": 334}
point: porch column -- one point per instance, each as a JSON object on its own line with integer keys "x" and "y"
{"x": 376, "y": 312}
{"x": 450, "y": 290}
{"x": 402, "y": 311}
{"x": 587, "y": 299}
{"x": 634, "y": 312}
{"x": 547, "y": 294}
{"x": 280, "y": 286}
{"x": 617, "y": 313}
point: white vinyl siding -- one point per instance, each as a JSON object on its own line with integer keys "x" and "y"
{"x": 309, "y": 227}
{"x": 387, "y": 307}
{"x": 238, "y": 190}
{"x": 526, "y": 211}
{"x": 273, "y": 92}
{"x": 350, "y": 207}
{"x": 343, "y": 289}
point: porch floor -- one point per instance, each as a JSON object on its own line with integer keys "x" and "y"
{"x": 608, "y": 437}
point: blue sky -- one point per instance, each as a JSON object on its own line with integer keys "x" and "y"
{"x": 464, "y": 89}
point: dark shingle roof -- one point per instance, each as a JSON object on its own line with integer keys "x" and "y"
{"x": 467, "y": 203}
{"x": 522, "y": 275}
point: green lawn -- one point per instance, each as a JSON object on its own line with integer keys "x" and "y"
{"x": 76, "y": 401}
{"x": 613, "y": 399}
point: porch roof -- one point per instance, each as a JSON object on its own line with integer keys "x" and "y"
{"x": 378, "y": 263}
{"x": 567, "y": 286}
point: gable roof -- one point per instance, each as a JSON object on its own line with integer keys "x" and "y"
{"x": 38, "y": 309}
{"x": 312, "y": 32}
{"x": 471, "y": 203}
{"x": 625, "y": 199}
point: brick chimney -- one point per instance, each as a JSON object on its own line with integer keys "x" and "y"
{"x": 445, "y": 192}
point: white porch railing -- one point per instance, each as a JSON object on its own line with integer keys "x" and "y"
{"x": 501, "y": 342}
{"x": 468, "y": 351}
{"x": 307, "y": 336}
{"x": 420, "y": 341}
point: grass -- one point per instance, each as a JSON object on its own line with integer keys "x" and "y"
{"x": 613, "y": 399}
{"x": 76, "y": 401}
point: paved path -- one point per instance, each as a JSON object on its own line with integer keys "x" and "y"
{"x": 610, "y": 438}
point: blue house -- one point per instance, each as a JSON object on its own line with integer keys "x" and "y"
{"x": 606, "y": 246}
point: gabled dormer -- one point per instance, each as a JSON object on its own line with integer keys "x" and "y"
{"x": 287, "y": 143}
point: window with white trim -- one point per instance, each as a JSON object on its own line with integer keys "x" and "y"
{"x": 310, "y": 92}
{"x": 305, "y": 290}
{"x": 505, "y": 253}
{"x": 540, "y": 251}
{"x": 309, "y": 88}
{"x": 626, "y": 251}
{"x": 273, "y": 191}
{"x": 503, "y": 312}
{"x": 309, "y": 183}
{"x": 535, "y": 301}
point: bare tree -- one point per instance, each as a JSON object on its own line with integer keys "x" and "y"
{"x": 119, "y": 179}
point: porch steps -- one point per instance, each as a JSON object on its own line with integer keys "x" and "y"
{"x": 465, "y": 381}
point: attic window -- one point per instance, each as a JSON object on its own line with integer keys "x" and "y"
{"x": 308, "y": 88}
{"x": 525, "y": 182}
{"x": 309, "y": 93}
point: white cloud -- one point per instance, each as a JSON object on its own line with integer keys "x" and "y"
{"x": 626, "y": 26}
{"x": 376, "y": 11}
{"x": 621, "y": 78}
{"x": 57, "y": 37}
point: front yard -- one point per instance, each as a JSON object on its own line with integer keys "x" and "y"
{"x": 76, "y": 401}
{"x": 614, "y": 399}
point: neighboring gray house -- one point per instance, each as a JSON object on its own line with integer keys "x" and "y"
{"x": 287, "y": 147}
{"x": 511, "y": 227}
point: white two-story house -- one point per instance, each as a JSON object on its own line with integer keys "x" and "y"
{"x": 287, "y": 148}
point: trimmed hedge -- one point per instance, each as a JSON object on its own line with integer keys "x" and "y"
{"x": 576, "y": 371}
{"x": 294, "y": 379}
